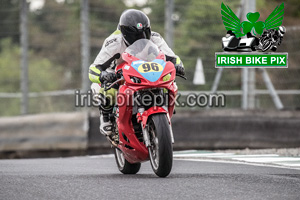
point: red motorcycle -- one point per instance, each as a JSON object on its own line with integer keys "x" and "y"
{"x": 142, "y": 129}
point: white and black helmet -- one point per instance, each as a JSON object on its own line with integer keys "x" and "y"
{"x": 281, "y": 30}
{"x": 134, "y": 25}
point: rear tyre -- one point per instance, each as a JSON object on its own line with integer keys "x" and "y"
{"x": 161, "y": 149}
{"x": 123, "y": 165}
{"x": 266, "y": 46}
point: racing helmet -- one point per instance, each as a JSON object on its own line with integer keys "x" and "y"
{"x": 281, "y": 30}
{"x": 134, "y": 25}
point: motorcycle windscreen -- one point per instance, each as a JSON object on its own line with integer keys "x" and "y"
{"x": 143, "y": 49}
{"x": 151, "y": 71}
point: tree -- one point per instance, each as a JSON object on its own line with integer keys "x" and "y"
{"x": 41, "y": 76}
{"x": 104, "y": 19}
{"x": 9, "y": 19}
{"x": 54, "y": 33}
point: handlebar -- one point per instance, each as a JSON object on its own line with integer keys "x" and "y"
{"x": 112, "y": 84}
{"x": 185, "y": 78}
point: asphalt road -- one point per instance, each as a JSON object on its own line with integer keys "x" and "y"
{"x": 98, "y": 178}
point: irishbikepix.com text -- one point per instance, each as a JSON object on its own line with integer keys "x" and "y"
{"x": 90, "y": 99}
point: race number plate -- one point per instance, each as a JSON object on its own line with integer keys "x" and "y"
{"x": 150, "y": 67}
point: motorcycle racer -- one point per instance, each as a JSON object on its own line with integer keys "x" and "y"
{"x": 133, "y": 25}
{"x": 271, "y": 39}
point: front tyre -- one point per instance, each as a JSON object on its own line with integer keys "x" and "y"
{"x": 161, "y": 150}
{"x": 124, "y": 166}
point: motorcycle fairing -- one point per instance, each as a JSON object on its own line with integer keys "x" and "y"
{"x": 151, "y": 111}
{"x": 150, "y": 75}
{"x": 134, "y": 150}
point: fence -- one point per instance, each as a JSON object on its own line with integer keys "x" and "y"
{"x": 57, "y": 38}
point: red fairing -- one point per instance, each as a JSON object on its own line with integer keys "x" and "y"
{"x": 149, "y": 112}
{"x": 134, "y": 150}
{"x": 129, "y": 72}
{"x": 137, "y": 151}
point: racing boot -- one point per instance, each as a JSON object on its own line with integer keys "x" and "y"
{"x": 105, "y": 122}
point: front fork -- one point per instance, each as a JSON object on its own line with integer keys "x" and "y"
{"x": 145, "y": 128}
{"x": 171, "y": 130}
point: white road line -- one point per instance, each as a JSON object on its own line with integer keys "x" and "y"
{"x": 291, "y": 164}
{"x": 203, "y": 155}
{"x": 103, "y": 156}
{"x": 224, "y": 155}
{"x": 261, "y": 159}
{"x": 238, "y": 162}
{"x": 267, "y": 159}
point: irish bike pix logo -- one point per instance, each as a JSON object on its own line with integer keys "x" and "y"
{"x": 252, "y": 43}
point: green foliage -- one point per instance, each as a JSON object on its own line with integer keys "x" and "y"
{"x": 104, "y": 19}
{"x": 9, "y": 67}
{"x": 54, "y": 33}
{"x": 199, "y": 35}
{"x": 157, "y": 15}
{"x": 42, "y": 77}
{"x": 9, "y": 19}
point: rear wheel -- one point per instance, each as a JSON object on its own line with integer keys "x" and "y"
{"x": 124, "y": 166}
{"x": 266, "y": 46}
{"x": 161, "y": 150}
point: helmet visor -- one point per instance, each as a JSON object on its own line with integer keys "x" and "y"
{"x": 132, "y": 34}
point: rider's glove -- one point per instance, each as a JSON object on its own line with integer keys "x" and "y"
{"x": 107, "y": 77}
{"x": 179, "y": 69}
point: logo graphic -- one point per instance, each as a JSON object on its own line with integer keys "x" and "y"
{"x": 233, "y": 23}
{"x": 261, "y": 35}
{"x": 252, "y": 35}
{"x": 139, "y": 26}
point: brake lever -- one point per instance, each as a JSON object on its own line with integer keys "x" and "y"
{"x": 104, "y": 83}
{"x": 110, "y": 86}
{"x": 185, "y": 78}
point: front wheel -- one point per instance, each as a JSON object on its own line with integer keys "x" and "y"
{"x": 124, "y": 166}
{"x": 161, "y": 149}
